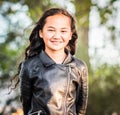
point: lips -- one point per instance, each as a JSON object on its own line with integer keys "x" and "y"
{"x": 56, "y": 42}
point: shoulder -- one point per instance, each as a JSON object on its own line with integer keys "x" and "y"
{"x": 30, "y": 63}
{"x": 80, "y": 63}
{"x": 82, "y": 67}
{"x": 30, "y": 66}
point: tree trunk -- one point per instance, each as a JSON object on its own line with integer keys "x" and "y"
{"x": 82, "y": 8}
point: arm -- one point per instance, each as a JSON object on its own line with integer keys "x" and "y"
{"x": 82, "y": 91}
{"x": 25, "y": 87}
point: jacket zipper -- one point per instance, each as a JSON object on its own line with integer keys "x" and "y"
{"x": 38, "y": 112}
{"x": 67, "y": 90}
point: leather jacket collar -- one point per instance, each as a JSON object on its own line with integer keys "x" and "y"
{"x": 47, "y": 61}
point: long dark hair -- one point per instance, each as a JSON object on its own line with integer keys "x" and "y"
{"x": 37, "y": 43}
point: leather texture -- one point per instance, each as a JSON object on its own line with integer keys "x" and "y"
{"x": 48, "y": 88}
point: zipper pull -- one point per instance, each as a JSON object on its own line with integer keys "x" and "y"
{"x": 39, "y": 112}
{"x": 69, "y": 69}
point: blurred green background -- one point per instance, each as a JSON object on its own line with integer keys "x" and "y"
{"x": 98, "y": 28}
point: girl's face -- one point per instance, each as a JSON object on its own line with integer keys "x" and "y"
{"x": 56, "y": 32}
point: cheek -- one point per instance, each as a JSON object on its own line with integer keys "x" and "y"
{"x": 48, "y": 35}
{"x": 68, "y": 37}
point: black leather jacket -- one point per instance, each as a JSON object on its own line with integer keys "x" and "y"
{"x": 48, "y": 88}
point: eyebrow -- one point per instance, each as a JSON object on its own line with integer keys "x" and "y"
{"x": 54, "y": 27}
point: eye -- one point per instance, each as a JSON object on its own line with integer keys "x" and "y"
{"x": 50, "y": 30}
{"x": 63, "y": 31}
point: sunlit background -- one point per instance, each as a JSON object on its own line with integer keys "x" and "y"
{"x": 98, "y": 25}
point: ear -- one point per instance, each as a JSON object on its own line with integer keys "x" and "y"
{"x": 41, "y": 34}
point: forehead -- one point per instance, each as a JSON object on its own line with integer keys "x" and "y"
{"x": 58, "y": 19}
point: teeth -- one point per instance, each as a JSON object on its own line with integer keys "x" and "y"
{"x": 56, "y": 41}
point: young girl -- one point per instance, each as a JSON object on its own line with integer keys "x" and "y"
{"x": 53, "y": 81}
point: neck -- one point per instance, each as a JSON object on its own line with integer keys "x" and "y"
{"x": 57, "y": 56}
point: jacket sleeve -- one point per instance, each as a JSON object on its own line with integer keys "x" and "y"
{"x": 25, "y": 88}
{"x": 82, "y": 93}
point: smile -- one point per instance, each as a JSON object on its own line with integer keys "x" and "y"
{"x": 56, "y": 42}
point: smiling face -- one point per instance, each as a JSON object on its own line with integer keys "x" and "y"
{"x": 56, "y": 32}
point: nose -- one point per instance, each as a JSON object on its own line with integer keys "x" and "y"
{"x": 57, "y": 35}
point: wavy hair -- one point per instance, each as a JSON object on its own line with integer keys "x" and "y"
{"x": 37, "y": 43}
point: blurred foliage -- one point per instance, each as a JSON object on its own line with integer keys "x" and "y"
{"x": 104, "y": 91}
{"x": 37, "y": 7}
{"x": 107, "y": 12}
{"x": 104, "y": 81}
